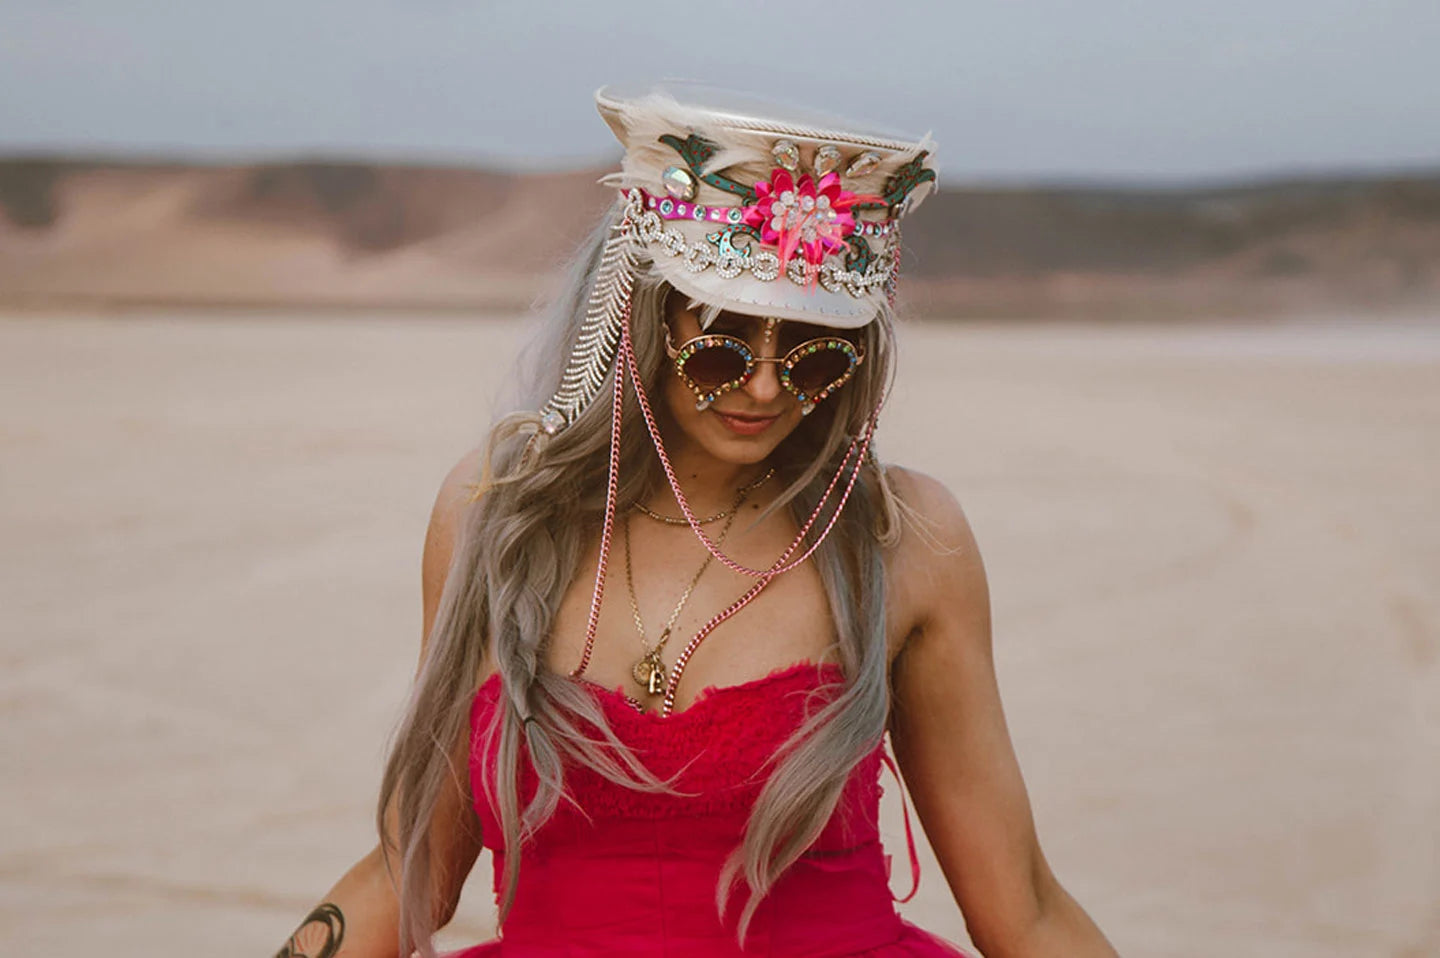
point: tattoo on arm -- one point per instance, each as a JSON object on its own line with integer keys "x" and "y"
{"x": 318, "y": 936}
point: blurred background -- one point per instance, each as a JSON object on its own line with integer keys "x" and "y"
{"x": 1173, "y": 340}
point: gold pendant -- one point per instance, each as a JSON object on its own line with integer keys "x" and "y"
{"x": 641, "y": 671}
{"x": 649, "y": 672}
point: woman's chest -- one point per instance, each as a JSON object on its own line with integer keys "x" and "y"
{"x": 671, "y": 591}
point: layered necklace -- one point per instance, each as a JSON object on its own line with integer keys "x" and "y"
{"x": 848, "y": 470}
{"x": 649, "y": 670}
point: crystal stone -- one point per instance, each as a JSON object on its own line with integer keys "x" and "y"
{"x": 552, "y": 421}
{"x": 827, "y": 159}
{"x": 787, "y": 154}
{"x": 864, "y": 163}
{"x": 680, "y": 183}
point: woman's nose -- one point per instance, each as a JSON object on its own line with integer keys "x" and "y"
{"x": 764, "y": 384}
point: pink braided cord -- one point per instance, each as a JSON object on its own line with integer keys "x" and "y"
{"x": 860, "y": 444}
{"x": 627, "y": 355}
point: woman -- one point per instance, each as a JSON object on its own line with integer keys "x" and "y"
{"x": 670, "y": 625}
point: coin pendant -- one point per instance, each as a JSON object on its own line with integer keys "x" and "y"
{"x": 642, "y": 671}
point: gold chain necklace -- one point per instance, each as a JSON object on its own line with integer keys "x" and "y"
{"x": 640, "y": 507}
{"x": 649, "y": 671}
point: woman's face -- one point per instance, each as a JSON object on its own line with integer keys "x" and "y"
{"x": 744, "y": 425}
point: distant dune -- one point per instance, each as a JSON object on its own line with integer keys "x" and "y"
{"x": 341, "y": 234}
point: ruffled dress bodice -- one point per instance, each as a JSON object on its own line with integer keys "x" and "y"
{"x": 626, "y": 872}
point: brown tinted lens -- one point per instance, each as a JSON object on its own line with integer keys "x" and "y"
{"x": 819, "y": 369}
{"x": 713, "y": 366}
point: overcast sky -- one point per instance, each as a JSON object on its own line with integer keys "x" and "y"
{"x": 1049, "y": 89}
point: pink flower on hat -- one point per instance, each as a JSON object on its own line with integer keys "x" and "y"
{"x": 813, "y": 218}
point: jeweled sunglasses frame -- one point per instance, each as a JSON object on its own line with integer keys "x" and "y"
{"x": 704, "y": 396}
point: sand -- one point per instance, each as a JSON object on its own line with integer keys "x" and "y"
{"x": 1213, "y": 551}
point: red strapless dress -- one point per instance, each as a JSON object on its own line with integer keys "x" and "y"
{"x": 635, "y": 874}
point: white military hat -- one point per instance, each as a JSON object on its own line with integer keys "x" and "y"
{"x": 764, "y": 209}
{"x": 747, "y": 206}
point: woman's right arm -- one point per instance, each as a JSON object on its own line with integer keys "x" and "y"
{"x": 360, "y": 916}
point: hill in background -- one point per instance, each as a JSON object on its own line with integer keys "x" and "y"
{"x": 342, "y": 234}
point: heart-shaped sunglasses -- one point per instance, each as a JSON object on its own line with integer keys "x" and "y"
{"x": 712, "y": 364}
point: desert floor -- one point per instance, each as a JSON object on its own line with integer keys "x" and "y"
{"x": 1213, "y": 550}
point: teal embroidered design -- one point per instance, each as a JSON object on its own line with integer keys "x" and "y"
{"x": 901, "y": 183}
{"x": 860, "y": 256}
{"x": 724, "y": 240}
{"x": 695, "y": 150}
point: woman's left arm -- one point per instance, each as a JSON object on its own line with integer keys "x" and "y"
{"x": 950, "y": 738}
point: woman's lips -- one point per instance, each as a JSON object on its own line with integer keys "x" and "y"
{"x": 745, "y": 425}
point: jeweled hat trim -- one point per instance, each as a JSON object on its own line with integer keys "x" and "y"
{"x": 729, "y": 260}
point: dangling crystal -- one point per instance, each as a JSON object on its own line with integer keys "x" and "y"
{"x": 552, "y": 421}
{"x": 680, "y": 183}
{"x": 787, "y": 154}
{"x": 702, "y": 404}
{"x": 864, "y": 163}
{"x": 827, "y": 159}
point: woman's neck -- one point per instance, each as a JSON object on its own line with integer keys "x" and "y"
{"x": 709, "y": 484}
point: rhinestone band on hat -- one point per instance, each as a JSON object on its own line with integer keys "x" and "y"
{"x": 673, "y": 209}
{"x": 885, "y": 228}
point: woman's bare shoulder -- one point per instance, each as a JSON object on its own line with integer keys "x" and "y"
{"x": 936, "y": 559}
{"x": 457, "y": 490}
{"x": 930, "y": 515}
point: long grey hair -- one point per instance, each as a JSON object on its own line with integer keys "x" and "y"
{"x": 518, "y": 548}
